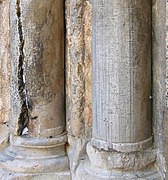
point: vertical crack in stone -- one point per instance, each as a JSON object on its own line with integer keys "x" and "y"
{"x": 24, "y": 115}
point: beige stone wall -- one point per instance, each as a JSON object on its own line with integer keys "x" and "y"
{"x": 78, "y": 76}
{"x": 164, "y": 18}
{"x": 4, "y": 71}
{"x": 160, "y": 105}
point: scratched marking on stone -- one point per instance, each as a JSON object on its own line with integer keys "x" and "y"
{"x": 116, "y": 68}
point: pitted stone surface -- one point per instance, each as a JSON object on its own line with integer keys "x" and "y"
{"x": 78, "y": 78}
{"x": 4, "y": 72}
{"x": 78, "y": 82}
{"x": 37, "y": 122}
{"x": 160, "y": 83}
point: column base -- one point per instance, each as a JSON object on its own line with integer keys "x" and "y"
{"x": 40, "y": 157}
{"x": 103, "y": 165}
{"x": 65, "y": 175}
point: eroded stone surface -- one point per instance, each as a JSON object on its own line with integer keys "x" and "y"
{"x": 4, "y": 72}
{"x": 37, "y": 43}
{"x": 160, "y": 10}
{"x": 78, "y": 78}
{"x": 38, "y": 137}
{"x": 78, "y": 82}
{"x": 43, "y": 26}
{"x": 78, "y": 66}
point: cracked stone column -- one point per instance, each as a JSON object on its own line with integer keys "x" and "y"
{"x": 37, "y": 141}
{"x": 121, "y": 144}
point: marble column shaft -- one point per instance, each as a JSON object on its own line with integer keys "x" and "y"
{"x": 122, "y": 75}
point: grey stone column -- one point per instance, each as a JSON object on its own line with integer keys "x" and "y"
{"x": 37, "y": 142}
{"x": 121, "y": 144}
{"x": 121, "y": 75}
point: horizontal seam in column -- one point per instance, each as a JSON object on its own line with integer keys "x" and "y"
{"x": 122, "y": 147}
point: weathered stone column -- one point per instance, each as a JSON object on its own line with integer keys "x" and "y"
{"x": 37, "y": 142}
{"x": 78, "y": 78}
{"x": 121, "y": 144}
{"x": 122, "y": 75}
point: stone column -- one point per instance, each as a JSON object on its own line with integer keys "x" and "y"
{"x": 122, "y": 75}
{"x": 121, "y": 144}
{"x": 37, "y": 142}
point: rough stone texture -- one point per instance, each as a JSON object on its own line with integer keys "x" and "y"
{"x": 43, "y": 26}
{"x": 165, "y": 122}
{"x": 19, "y": 113}
{"x": 145, "y": 174}
{"x": 120, "y": 160}
{"x": 78, "y": 77}
{"x": 37, "y": 140}
{"x": 42, "y": 176}
{"x": 39, "y": 61}
{"x": 78, "y": 83}
{"x": 4, "y": 72}
{"x": 160, "y": 105}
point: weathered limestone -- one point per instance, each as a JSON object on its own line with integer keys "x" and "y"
{"x": 121, "y": 144}
{"x": 37, "y": 148}
{"x": 160, "y": 83}
{"x": 4, "y": 72}
{"x": 78, "y": 78}
{"x": 37, "y": 141}
{"x": 78, "y": 65}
